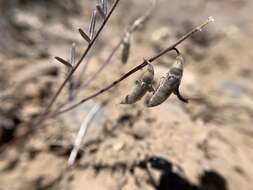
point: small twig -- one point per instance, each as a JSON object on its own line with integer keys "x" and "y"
{"x": 193, "y": 31}
{"x": 141, "y": 20}
{"x": 82, "y": 132}
{"x": 106, "y": 62}
{"x": 137, "y": 68}
{"x": 82, "y": 72}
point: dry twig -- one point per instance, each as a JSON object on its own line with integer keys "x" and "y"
{"x": 137, "y": 68}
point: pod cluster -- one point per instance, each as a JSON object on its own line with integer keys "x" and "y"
{"x": 169, "y": 84}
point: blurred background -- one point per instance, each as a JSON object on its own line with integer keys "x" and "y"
{"x": 205, "y": 145}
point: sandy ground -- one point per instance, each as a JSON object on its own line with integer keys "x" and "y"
{"x": 205, "y": 145}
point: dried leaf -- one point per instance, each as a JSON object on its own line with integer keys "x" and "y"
{"x": 64, "y": 62}
{"x": 84, "y": 35}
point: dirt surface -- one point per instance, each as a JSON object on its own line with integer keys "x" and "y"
{"x": 206, "y": 144}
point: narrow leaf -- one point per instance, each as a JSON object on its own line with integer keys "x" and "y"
{"x": 84, "y": 35}
{"x": 64, "y": 62}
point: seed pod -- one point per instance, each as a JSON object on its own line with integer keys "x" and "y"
{"x": 72, "y": 55}
{"x": 92, "y": 24}
{"x": 168, "y": 84}
{"x": 125, "y": 49}
{"x": 100, "y": 11}
{"x": 141, "y": 86}
{"x": 104, "y": 6}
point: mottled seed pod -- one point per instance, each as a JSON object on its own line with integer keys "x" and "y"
{"x": 141, "y": 87}
{"x": 168, "y": 84}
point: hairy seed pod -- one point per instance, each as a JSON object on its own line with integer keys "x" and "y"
{"x": 125, "y": 49}
{"x": 100, "y": 11}
{"x": 104, "y": 5}
{"x": 72, "y": 55}
{"x": 168, "y": 84}
{"x": 92, "y": 24}
{"x": 141, "y": 87}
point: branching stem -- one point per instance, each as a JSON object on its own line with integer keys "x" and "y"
{"x": 51, "y": 103}
{"x": 46, "y": 113}
{"x": 137, "y": 68}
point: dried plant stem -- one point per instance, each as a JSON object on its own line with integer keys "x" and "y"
{"x": 48, "y": 108}
{"x": 44, "y": 115}
{"x": 83, "y": 71}
{"x": 131, "y": 29}
{"x": 105, "y": 63}
{"x": 187, "y": 35}
{"x": 82, "y": 132}
{"x": 139, "y": 21}
{"x": 137, "y": 68}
